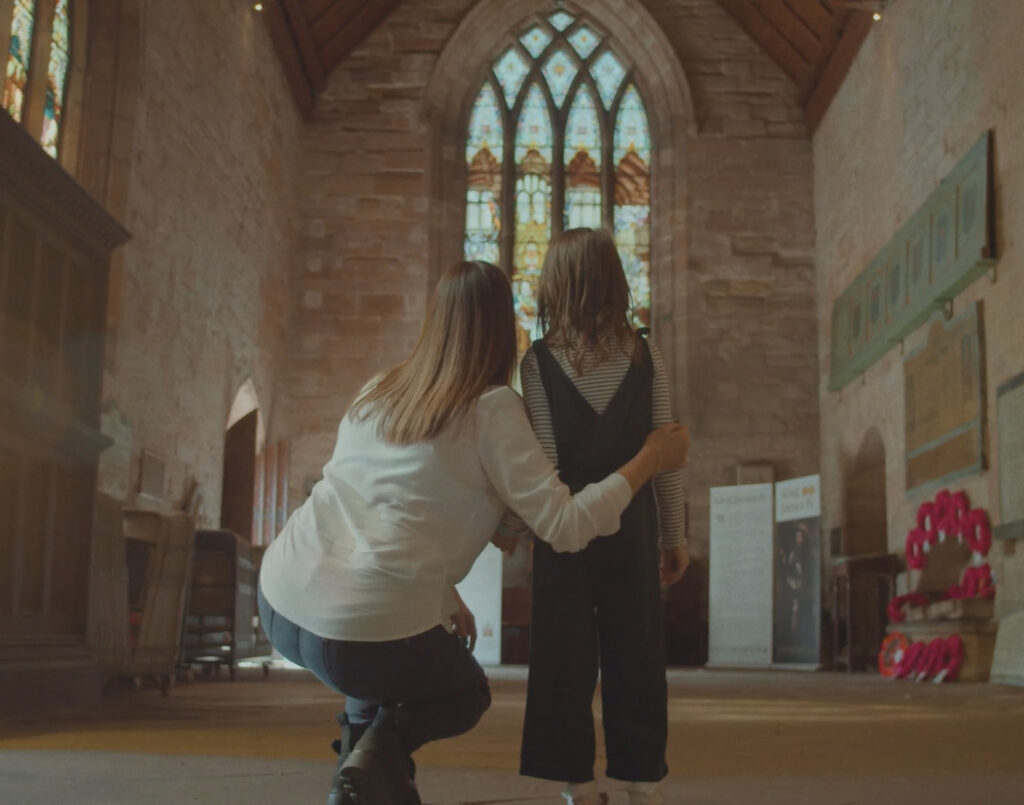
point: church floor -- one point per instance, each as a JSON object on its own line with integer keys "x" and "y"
{"x": 735, "y": 737}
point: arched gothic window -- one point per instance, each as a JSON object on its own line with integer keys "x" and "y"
{"x": 38, "y": 56}
{"x": 558, "y": 138}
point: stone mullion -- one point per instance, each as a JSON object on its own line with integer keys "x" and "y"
{"x": 508, "y": 186}
{"x": 558, "y": 121}
{"x": 6, "y": 16}
{"x": 607, "y": 165}
{"x": 71, "y": 115}
{"x": 39, "y": 61}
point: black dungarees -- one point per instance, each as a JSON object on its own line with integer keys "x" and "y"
{"x": 602, "y": 603}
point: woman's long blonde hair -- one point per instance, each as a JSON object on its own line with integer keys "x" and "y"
{"x": 583, "y": 299}
{"x": 467, "y": 344}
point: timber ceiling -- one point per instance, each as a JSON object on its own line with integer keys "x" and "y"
{"x": 814, "y": 42}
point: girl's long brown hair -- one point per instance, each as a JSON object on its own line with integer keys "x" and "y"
{"x": 583, "y": 299}
{"x": 467, "y": 344}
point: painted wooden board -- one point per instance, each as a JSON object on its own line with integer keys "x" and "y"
{"x": 1010, "y": 424}
{"x": 944, "y": 247}
{"x": 945, "y": 402}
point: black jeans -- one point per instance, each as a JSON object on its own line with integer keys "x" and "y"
{"x": 432, "y": 680}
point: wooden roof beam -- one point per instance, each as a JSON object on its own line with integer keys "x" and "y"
{"x": 307, "y": 47}
{"x": 287, "y": 49}
{"x": 356, "y": 30}
{"x": 854, "y": 30}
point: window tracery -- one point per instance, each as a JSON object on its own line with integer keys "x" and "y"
{"x": 558, "y": 137}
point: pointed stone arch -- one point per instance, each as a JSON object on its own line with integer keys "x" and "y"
{"x": 481, "y": 35}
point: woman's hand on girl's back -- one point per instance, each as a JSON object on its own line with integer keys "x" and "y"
{"x": 671, "y": 442}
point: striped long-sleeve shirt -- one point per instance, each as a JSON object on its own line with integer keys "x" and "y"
{"x": 598, "y": 384}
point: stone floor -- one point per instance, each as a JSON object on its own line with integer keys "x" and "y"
{"x": 735, "y": 737}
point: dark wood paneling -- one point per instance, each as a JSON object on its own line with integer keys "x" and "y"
{"x": 359, "y": 26}
{"x": 855, "y": 30}
{"x": 805, "y": 40}
{"x": 314, "y": 9}
{"x": 782, "y": 51}
{"x": 307, "y": 46}
{"x": 341, "y": 15}
{"x": 288, "y": 54}
{"x": 814, "y": 42}
{"x": 815, "y": 15}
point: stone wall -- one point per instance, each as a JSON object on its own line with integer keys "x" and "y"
{"x": 932, "y": 76}
{"x": 750, "y": 306}
{"x": 733, "y": 283}
{"x": 200, "y": 298}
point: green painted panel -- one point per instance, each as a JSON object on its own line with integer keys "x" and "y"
{"x": 944, "y": 247}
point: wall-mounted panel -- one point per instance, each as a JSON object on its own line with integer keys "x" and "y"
{"x": 942, "y": 249}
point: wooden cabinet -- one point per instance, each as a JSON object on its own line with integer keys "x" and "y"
{"x": 55, "y": 246}
{"x": 222, "y": 623}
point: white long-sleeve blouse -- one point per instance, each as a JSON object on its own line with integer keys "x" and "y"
{"x": 374, "y": 551}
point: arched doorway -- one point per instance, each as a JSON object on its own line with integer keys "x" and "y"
{"x": 866, "y": 523}
{"x": 866, "y": 534}
{"x": 243, "y": 439}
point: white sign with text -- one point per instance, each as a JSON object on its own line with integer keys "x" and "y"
{"x": 740, "y": 576}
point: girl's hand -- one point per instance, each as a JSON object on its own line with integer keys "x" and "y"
{"x": 463, "y": 622}
{"x": 674, "y": 562}
{"x": 506, "y": 543}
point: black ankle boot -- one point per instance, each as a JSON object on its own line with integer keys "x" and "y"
{"x": 377, "y": 771}
{"x": 350, "y": 735}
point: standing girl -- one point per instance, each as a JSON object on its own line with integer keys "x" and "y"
{"x": 595, "y": 388}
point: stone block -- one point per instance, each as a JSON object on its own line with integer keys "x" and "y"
{"x": 1008, "y": 660}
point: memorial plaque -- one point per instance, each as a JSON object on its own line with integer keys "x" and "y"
{"x": 919, "y": 258}
{"x": 877, "y": 317}
{"x": 896, "y": 283}
{"x": 944, "y": 236}
{"x": 944, "y": 247}
{"x": 1010, "y": 414}
{"x": 945, "y": 404}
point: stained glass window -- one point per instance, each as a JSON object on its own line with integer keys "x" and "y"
{"x": 559, "y": 70}
{"x": 535, "y": 40}
{"x": 561, "y": 20}
{"x": 16, "y": 73}
{"x": 533, "y": 131}
{"x": 584, "y": 41}
{"x": 484, "y": 151}
{"x": 582, "y": 160}
{"x": 511, "y": 71}
{"x": 632, "y": 217}
{"x": 608, "y": 72}
{"x": 56, "y": 78}
{"x": 538, "y": 76}
{"x": 631, "y": 132}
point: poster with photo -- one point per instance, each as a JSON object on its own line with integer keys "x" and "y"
{"x": 796, "y": 633}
